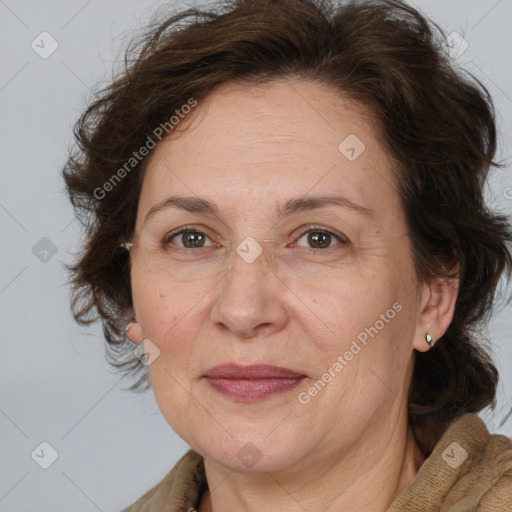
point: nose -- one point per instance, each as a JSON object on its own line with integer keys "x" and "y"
{"x": 250, "y": 294}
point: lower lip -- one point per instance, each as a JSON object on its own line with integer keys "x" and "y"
{"x": 253, "y": 389}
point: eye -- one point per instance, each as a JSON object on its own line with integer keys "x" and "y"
{"x": 189, "y": 238}
{"x": 321, "y": 238}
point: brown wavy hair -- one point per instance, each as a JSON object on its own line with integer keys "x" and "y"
{"x": 436, "y": 120}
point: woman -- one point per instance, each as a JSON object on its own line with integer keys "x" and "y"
{"x": 284, "y": 199}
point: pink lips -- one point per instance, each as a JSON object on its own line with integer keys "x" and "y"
{"x": 254, "y": 382}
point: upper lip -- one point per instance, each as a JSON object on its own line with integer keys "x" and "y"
{"x": 254, "y": 371}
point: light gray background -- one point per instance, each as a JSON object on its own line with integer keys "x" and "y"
{"x": 55, "y": 384}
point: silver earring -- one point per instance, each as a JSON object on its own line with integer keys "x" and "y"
{"x": 430, "y": 340}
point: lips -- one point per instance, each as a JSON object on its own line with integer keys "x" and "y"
{"x": 256, "y": 371}
{"x": 252, "y": 383}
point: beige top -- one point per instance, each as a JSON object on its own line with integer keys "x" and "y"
{"x": 469, "y": 470}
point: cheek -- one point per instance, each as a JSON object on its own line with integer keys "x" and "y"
{"x": 166, "y": 311}
{"x": 363, "y": 320}
{"x": 338, "y": 311}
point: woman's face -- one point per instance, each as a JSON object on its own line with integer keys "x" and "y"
{"x": 345, "y": 315}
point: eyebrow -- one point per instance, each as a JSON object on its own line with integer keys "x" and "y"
{"x": 290, "y": 207}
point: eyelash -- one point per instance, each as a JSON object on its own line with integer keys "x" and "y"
{"x": 311, "y": 229}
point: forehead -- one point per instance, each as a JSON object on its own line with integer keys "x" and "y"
{"x": 265, "y": 144}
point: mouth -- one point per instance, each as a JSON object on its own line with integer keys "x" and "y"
{"x": 252, "y": 383}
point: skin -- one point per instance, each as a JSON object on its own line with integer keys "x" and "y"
{"x": 247, "y": 149}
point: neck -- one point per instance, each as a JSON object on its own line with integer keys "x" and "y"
{"x": 363, "y": 480}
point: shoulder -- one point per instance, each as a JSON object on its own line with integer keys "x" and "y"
{"x": 494, "y": 475}
{"x": 179, "y": 490}
{"x": 480, "y": 463}
{"x": 469, "y": 469}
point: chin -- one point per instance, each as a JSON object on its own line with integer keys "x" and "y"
{"x": 254, "y": 454}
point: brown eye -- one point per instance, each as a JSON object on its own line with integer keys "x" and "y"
{"x": 321, "y": 239}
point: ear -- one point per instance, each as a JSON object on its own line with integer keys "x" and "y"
{"x": 134, "y": 330}
{"x": 436, "y": 311}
